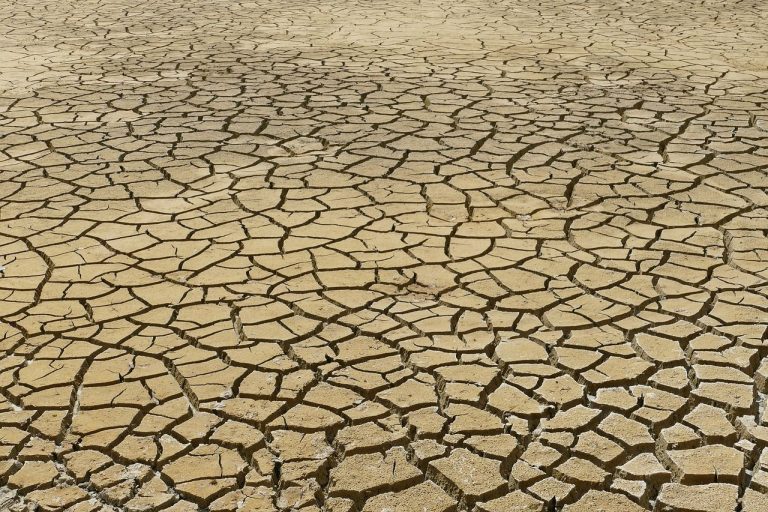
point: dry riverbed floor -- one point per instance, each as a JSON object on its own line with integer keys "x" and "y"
{"x": 391, "y": 256}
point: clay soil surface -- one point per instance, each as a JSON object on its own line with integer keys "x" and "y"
{"x": 383, "y": 256}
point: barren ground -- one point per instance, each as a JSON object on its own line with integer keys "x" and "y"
{"x": 391, "y": 256}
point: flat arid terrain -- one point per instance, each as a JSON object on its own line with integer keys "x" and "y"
{"x": 384, "y": 256}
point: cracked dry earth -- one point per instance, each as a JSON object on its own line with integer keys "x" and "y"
{"x": 396, "y": 256}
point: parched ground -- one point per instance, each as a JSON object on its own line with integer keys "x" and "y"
{"x": 384, "y": 256}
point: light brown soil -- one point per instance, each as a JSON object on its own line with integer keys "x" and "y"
{"x": 392, "y": 256}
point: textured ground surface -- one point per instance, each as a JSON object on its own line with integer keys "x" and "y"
{"x": 383, "y": 256}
